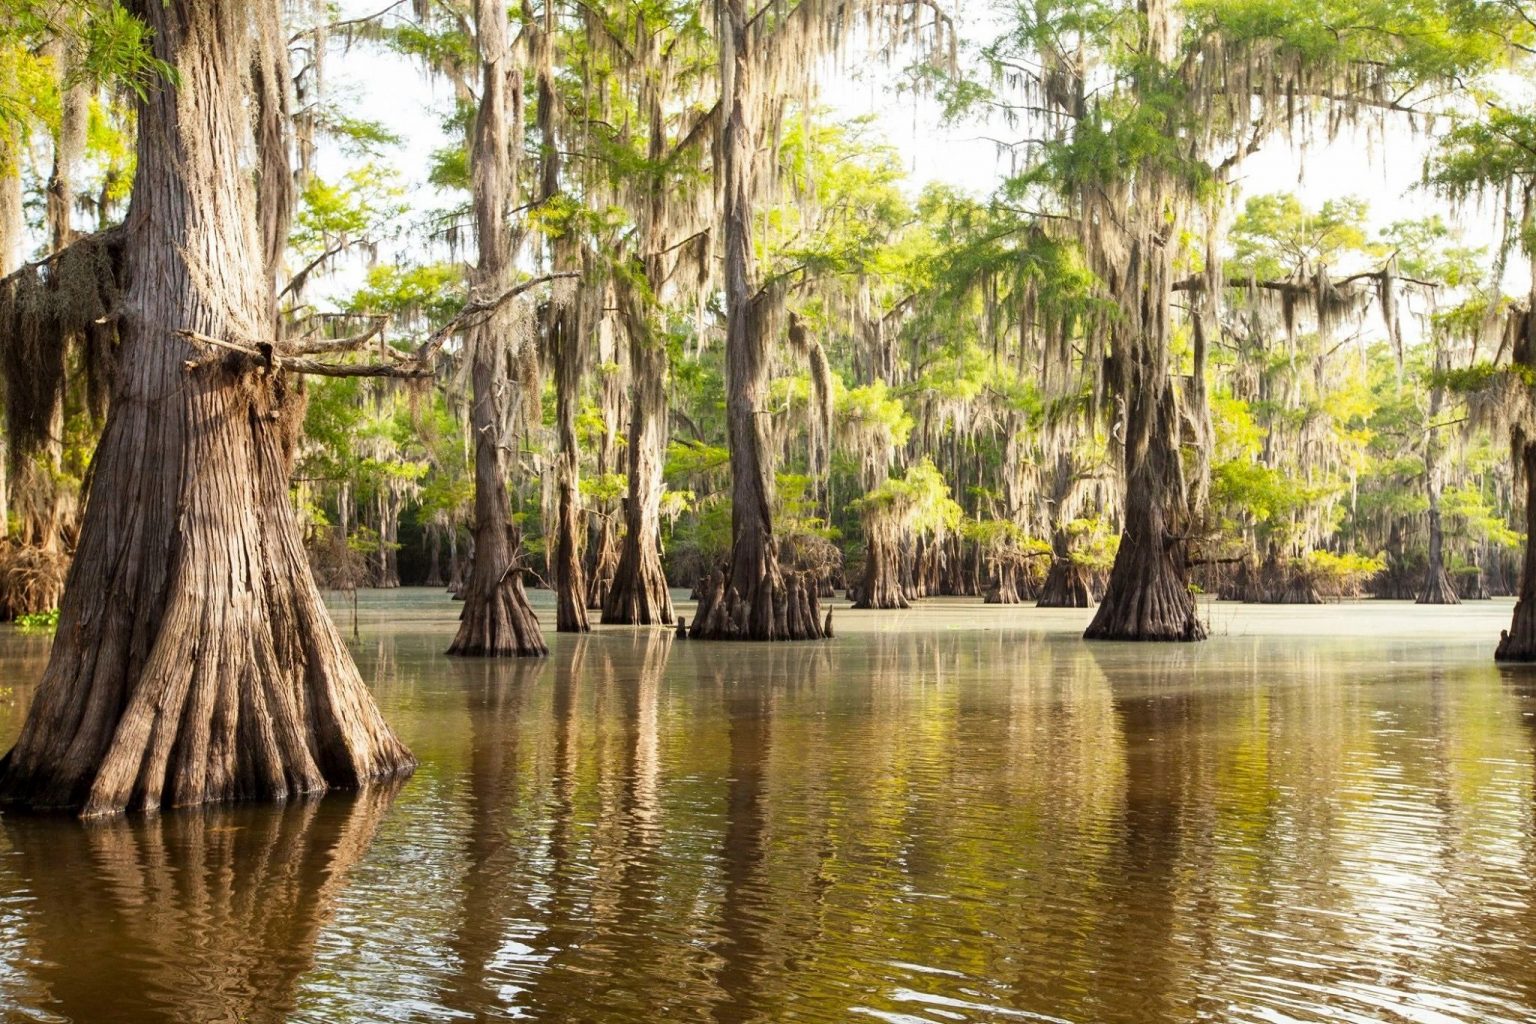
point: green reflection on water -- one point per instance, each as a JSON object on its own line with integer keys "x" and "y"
{"x": 955, "y": 813}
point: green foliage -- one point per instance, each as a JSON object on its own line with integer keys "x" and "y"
{"x": 918, "y": 502}
{"x": 693, "y": 459}
{"x": 1340, "y": 573}
{"x": 39, "y": 622}
{"x": 1093, "y": 543}
{"x": 1276, "y": 234}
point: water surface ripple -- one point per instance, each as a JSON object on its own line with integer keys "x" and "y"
{"x": 955, "y": 814}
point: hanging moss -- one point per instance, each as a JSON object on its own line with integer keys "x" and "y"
{"x": 56, "y": 318}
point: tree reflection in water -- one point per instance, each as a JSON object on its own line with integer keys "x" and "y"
{"x": 205, "y": 915}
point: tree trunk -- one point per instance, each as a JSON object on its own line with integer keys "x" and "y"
{"x": 1066, "y": 584}
{"x": 1437, "y": 588}
{"x": 753, "y": 600}
{"x": 881, "y": 587}
{"x": 1005, "y": 587}
{"x": 639, "y": 595}
{"x": 456, "y": 574}
{"x": 1148, "y": 596}
{"x": 496, "y": 620}
{"x": 566, "y": 568}
{"x": 434, "y": 556}
{"x": 1518, "y": 643}
{"x": 605, "y": 549}
{"x": 1396, "y": 582}
{"x": 195, "y": 661}
{"x": 566, "y": 331}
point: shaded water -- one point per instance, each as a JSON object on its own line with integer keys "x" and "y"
{"x": 959, "y": 813}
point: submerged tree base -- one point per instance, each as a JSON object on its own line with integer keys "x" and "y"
{"x": 1148, "y": 598}
{"x": 780, "y": 607}
{"x": 1518, "y": 642}
{"x": 1438, "y": 589}
{"x": 1066, "y": 586}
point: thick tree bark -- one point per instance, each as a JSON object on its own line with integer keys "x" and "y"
{"x": 566, "y": 557}
{"x": 1148, "y": 597}
{"x": 1437, "y": 587}
{"x": 566, "y": 331}
{"x": 1005, "y": 585}
{"x": 1518, "y": 643}
{"x": 753, "y": 599}
{"x": 1066, "y": 583}
{"x": 639, "y": 594}
{"x": 881, "y": 587}
{"x": 497, "y": 620}
{"x": 195, "y": 661}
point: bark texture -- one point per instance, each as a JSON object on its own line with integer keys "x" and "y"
{"x": 881, "y": 587}
{"x": 1148, "y": 596}
{"x": 1518, "y": 643}
{"x": 195, "y": 661}
{"x": 751, "y": 599}
{"x": 639, "y": 594}
{"x": 497, "y": 620}
{"x": 1066, "y": 582}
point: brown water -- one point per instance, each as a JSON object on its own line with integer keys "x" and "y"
{"x": 958, "y": 813}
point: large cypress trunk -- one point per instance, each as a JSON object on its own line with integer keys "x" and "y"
{"x": 1148, "y": 597}
{"x": 605, "y": 547}
{"x": 1066, "y": 583}
{"x": 639, "y": 594}
{"x": 1005, "y": 585}
{"x": 566, "y": 333}
{"x": 751, "y": 599}
{"x": 496, "y": 620}
{"x": 882, "y": 577}
{"x": 1518, "y": 643}
{"x": 194, "y": 660}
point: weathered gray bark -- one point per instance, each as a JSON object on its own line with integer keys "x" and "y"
{"x": 881, "y": 586}
{"x": 496, "y": 620}
{"x": 752, "y": 599}
{"x": 1066, "y": 582}
{"x": 195, "y": 661}
{"x": 569, "y": 581}
{"x": 1148, "y": 597}
{"x": 639, "y": 594}
{"x": 1518, "y": 643}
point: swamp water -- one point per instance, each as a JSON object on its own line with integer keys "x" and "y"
{"x": 957, "y": 813}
